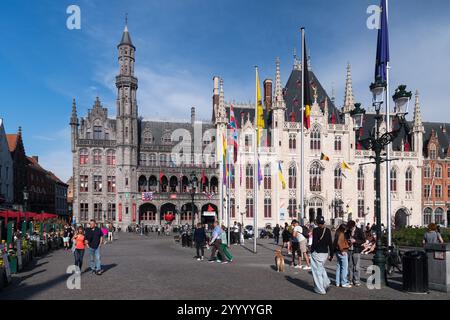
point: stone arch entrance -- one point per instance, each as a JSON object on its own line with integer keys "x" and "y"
{"x": 147, "y": 213}
{"x": 168, "y": 208}
{"x": 401, "y": 219}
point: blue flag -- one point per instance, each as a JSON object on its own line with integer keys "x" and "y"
{"x": 382, "y": 45}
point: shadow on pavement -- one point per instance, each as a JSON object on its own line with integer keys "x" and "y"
{"x": 300, "y": 283}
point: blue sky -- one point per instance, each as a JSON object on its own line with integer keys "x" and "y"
{"x": 182, "y": 44}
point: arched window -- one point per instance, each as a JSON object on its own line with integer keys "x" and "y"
{"x": 147, "y": 137}
{"x": 214, "y": 185}
{"x": 315, "y": 177}
{"x": 360, "y": 179}
{"x": 163, "y": 184}
{"x": 338, "y": 143}
{"x": 292, "y": 208}
{"x": 292, "y": 177}
{"x": 292, "y": 142}
{"x": 439, "y": 216}
{"x": 142, "y": 159}
{"x": 232, "y": 177}
{"x": 338, "y": 178}
{"x": 152, "y": 160}
{"x": 111, "y": 158}
{"x": 166, "y": 138}
{"x": 173, "y": 184}
{"x": 153, "y": 183}
{"x": 84, "y": 156}
{"x": 427, "y": 216}
{"x": 393, "y": 180}
{"x": 97, "y": 156}
{"x": 427, "y": 171}
{"x": 232, "y": 208}
{"x": 361, "y": 208}
{"x": 143, "y": 184}
{"x": 249, "y": 176}
{"x": 267, "y": 178}
{"x": 315, "y": 138}
{"x": 162, "y": 160}
{"x": 267, "y": 208}
{"x": 408, "y": 180}
{"x": 432, "y": 152}
{"x": 438, "y": 171}
{"x": 249, "y": 207}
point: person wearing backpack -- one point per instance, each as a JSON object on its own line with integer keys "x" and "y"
{"x": 321, "y": 248}
{"x": 299, "y": 245}
{"x": 304, "y": 247}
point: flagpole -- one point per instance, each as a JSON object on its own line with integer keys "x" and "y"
{"x": 255, "y": 171}
{"x": 302, "y": 147}
{"x": 388, "y": 149}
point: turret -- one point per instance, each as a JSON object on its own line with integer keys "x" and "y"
{"x": 74, "y": 126}
{"x": 418, "y": 128}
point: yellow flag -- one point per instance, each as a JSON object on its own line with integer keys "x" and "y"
{"x": 345, "y": 166}
{"x": 260, "y": 123}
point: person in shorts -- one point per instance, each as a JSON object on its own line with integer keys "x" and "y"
{"x": 299, "y": 246}
{"x": 67, "y": 236}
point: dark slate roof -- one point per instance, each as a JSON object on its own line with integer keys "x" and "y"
{"x": 293, "y": 96}
{"x": 159, "y": 128}
{"x": 443, "y": 137}
{"x": 241, "y": 113}
{"x": 369, "y": 127}
{"x": 126, "y": 38}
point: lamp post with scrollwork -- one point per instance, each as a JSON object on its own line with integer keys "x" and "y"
{"x": 377, "y": 142}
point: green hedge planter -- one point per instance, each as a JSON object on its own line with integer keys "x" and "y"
{"x": 13, "y": 264}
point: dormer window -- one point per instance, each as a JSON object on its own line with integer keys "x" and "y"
{"x": 97, "y": 132}
{"x": 432, "y": 152}
{"x": 167, "y": 139}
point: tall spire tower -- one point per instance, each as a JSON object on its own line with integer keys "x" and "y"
{"x": 349, "y": 99}
{"x": 127, "y": 131}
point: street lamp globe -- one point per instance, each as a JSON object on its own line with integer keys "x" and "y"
{"x": 358, "y": 116}
{"x": 377, "y": 88}
{"x": 401, "y": 100}
{"x": 25, "y": 193}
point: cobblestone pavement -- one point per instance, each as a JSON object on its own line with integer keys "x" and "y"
{"x": 151, "y": 267}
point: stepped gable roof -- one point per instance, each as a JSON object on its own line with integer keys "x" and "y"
{"x": 12, "y": 141}
{"x": 443, "y": 134}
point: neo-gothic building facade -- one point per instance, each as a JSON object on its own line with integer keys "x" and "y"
{"x": 125, "y": 169}
{"x": 330, "y": 190}
{"x": 116, "y": 161}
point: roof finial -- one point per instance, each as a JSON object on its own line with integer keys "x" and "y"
{"x": 19, "y": 132}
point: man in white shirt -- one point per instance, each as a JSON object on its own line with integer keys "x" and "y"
{"x": 299, "y": 245}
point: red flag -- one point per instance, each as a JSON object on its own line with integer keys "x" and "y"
{"x": 161, "y": 175}
{"x": 203, "y": 178}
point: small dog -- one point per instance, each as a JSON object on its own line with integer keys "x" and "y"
{"x": 279, "y": 261}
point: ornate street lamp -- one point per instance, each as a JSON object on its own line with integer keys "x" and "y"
{"x": 377, "y": 142}
{"x": 193, "y": 186}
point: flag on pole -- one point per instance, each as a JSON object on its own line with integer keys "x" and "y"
{"x": 260, "y": 177}
{"x": 203, "y": 178}
{"x": 234, "y": 133}
{"x": 324, "y": 157}
{"x": 260, "y": 123}
{"x": 161, "y": 175}
{"x": 345, "y": 166}
{"x": 382, "y": 58}
{"x": 224, "y": 159}
{"x": 280, "y": 175}
{"x": 306, "y": 89}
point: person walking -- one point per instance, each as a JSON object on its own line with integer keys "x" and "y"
{"x": 66, "y": 236}
{"x": 356, "y": 240}
{"x": 286, "y": 237}
{"x": 321, "y": 248}
{"x": 94, "y": 240}
{"x": 276, "y": 234}
{"x": 200, "y": 241}
{"x": 236, "y": 235}
{"x": 79, "y": 242}
{"x": 110, "y": 232}
{"x": 224, "y": 245}
{"x": 340, "y": 246}
{"x": 216, "y": 244}
{"x": 432, "y": 236}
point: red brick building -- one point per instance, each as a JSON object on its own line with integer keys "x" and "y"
{"x": 436, "y": 174}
